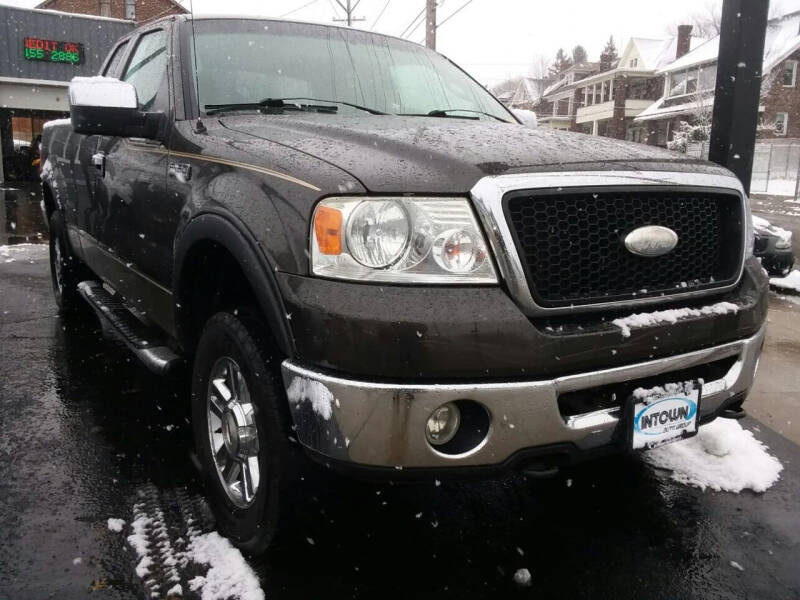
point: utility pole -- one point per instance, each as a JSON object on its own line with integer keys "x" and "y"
{"x": 737, "y": 95}
{"x": 430, "y": 24}
{"x": 349, "y": 10}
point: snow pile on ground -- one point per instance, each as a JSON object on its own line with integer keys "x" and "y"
{"x": 116, "y": 524}
{"x": 790, "y": 282}
{"x": 722, "y": 457}
{"x": 179, "y": 555}
{"x": 522, "y": 577}
{"x": 22, "y": 252}
{"x": 672, "y": 316}
{"x": 228, "y": 576}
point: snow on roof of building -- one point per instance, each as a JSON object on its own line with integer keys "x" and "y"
{"x": 657, "y": 110}
{"x": 782, "y": 38}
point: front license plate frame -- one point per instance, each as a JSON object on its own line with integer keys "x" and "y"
{"x": 663, "y": 415}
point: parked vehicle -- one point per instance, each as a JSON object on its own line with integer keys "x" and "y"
{"x": 773, "y": 245}
{"x": 359, "y": 249}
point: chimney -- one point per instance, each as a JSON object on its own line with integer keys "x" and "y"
{"x": 684, "y": 40}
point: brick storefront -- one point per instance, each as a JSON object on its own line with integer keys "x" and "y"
{"x": 140, "y": 11}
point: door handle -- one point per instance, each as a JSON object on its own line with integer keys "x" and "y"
{"x": 99, "y": 162}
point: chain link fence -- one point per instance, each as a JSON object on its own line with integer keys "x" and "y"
{"x": 776, "y": 167}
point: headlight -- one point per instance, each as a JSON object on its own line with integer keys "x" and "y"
{"x": 413, "y": 240}
{"x": 784, "y": 242}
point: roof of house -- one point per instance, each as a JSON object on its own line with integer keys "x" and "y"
{"x": 657, "y": 110}
{"x": 782, "y": 38}
{"x": 527, "y": 86}
{"x": 531, "y": 87}
{"x": 656, "y": 54}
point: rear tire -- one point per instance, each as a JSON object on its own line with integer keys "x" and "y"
{"x": 237, "y": 397}
{"x": 66, "y": 270}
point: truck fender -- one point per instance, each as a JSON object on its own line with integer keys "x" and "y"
{"x": 241, "y": 244}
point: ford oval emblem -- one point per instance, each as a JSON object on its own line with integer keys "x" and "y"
{"x": 651, "y": 240}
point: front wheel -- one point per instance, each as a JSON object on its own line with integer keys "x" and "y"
{"x": 239, "y": 430}
{"x": 66, "y": 270}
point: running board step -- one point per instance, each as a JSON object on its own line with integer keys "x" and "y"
{"x": 143, "y": 341}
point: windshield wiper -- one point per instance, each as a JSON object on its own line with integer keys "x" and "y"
{"x": 267, "y": 104}
{"x": 279, "y": 102}
{"x": 445, "y": 113}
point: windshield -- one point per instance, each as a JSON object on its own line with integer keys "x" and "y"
{"x": 245, "y": 61}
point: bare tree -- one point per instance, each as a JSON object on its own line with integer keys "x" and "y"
{"x": 706, "y": 20}
{"x": 540, "y": 67}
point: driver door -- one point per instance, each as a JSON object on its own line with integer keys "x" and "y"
{"x": 141, "y": 221}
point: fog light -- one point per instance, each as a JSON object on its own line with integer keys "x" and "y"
{"x": 443, "y": 424}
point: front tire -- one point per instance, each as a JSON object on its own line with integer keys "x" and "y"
{"x": 66, "y": 270}
{"x": 239, "y": 422}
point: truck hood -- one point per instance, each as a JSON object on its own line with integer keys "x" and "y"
{"x": 393, "y": 154}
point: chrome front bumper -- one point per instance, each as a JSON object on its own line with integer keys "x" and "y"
{"x": 383, "y": 425}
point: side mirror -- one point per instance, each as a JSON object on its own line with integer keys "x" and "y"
{"x": 108, "y": 106}
{"x": 528, "y": 117}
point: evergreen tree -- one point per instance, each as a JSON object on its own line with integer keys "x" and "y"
{"x": 610, "y": 51}
{"x": 560, "y": 64}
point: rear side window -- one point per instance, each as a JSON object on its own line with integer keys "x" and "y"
{"x": 147, "y": 70}
{"x": 113, "y": 65}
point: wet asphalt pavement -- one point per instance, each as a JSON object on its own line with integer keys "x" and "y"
{"x": 84, "y": 428}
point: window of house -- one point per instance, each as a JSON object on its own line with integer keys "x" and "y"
{"x": 708, "y": 77}
{"x": 692, "y": 77}
{"x": 789, "y": 75}
{"x": 781, "y": 123}
{"x": 677, "y": 84}
{"x": 105, "y": 8}
{"x": 130, "y": 9}
{"x": 147, "y": 69}
{"x": 634, "y": 63}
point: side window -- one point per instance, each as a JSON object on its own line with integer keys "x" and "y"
{"x": 113, "y": 65}
{"x": 147, "y": 70}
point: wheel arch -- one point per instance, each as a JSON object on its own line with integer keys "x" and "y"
{"x": 215, "y": 237}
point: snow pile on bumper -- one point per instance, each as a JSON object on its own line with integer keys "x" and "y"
{"x": 671, "y": 316}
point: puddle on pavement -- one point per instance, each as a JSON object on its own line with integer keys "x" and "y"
{"x": 21, "y": 217}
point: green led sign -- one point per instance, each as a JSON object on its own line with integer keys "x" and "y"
{"x": 52, "y": 51}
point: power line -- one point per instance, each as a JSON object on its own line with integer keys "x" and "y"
{"x": 299, "y": 8}
{"x": 349, "y": 9}
{"x": 455, "y": 12}
{"x": 422, "y": 12}
{"x": 378, "y": 18}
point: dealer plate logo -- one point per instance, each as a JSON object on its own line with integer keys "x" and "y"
{"x": 658, "y": 421}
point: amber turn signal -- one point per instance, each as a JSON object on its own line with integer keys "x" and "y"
{"x": 328, "y": 229}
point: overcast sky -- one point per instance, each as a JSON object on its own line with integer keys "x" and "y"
{"x": 492, "y": 39}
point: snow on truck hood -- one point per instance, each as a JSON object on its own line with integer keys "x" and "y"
{"x": 428, "y": 154}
